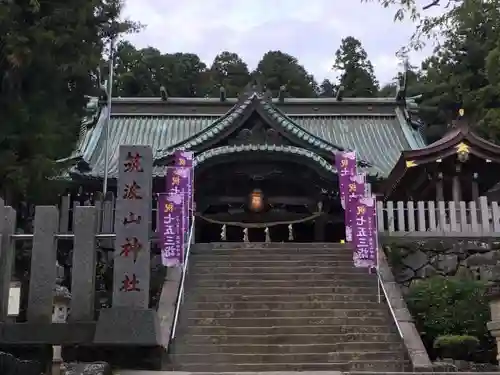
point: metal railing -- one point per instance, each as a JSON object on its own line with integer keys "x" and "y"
{"x": 386, "y": 296}
{"x": 180, "y": 294}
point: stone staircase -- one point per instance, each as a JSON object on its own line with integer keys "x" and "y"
{"x": 283, "y": 307}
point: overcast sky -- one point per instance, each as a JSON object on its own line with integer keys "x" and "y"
{"x": 310, "y": 30}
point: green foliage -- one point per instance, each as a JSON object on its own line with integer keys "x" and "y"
{"x": 49, "y": 50}
{"x": 356, "y": 70}
{"x": 430, "y": 16}
{"x": 230, "y": 71}
{"x": 142, "y": 73}
{"x": 327, "y": 89}
{"x": 461, "y": 347}
{"x": 463, "y": 71}
{"x": 277, "y": 68}
{"x": 449, "y": 306}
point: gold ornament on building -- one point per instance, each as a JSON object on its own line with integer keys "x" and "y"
{"x": 461, "y": 112}
{"x": 410, "y": 164}
{"x": 462, "y": 152}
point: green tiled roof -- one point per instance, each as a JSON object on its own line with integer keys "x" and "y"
{"x": 378, "y": 139}
{"x": 228, "y": 150}
{"x": 238, "y": 112}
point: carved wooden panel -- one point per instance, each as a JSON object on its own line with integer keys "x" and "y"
{"x": 258, "y": 133}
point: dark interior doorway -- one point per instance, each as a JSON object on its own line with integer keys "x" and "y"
{"x": 262, "y": 190}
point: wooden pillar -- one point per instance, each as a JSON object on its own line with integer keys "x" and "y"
{"x": 439, "y": 188}
{"x": 319, "y": 228}
{"x": 475, "y": 187}
{"x": 455, "y": 186}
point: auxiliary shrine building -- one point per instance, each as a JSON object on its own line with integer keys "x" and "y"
{"x": 281, "y": 151}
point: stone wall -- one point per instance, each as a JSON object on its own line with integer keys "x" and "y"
{"x": 422, "y": 259}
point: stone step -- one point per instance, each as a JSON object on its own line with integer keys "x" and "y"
{"x": 268, "y": 245}
{"x": 313, "y": 296}
{"x": 321, "y": 338}
{"x": 216, "y": 264}
{"x": 285, "y": 305}
{"x": 307, "y": 348}
{"x": 282, "y": 276}
{"x": 297, "y": 291}
{"x": 346, "y": 268}
{"x": 259, "y": 283}
{"x": 272, "y": 257}
{"x": 267, "y": 313}
{"x": 279, "y": 329}
{"x": 374, "y": 365}
{"x": 212, "y": 358}
{"x": 270, "y": 251}
{"x": 286, "y": 322}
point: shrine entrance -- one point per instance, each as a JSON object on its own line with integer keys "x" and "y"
{"x": 267, "y": 197}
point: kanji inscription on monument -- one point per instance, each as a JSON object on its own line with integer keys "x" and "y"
{"x": 132, "y": 226}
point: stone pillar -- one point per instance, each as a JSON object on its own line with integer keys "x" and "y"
{"x": 84, "y": 259}
{"x": 43, "y": 265}
{"x": 494, "y": 295}
{"x": 130, "y": 320}
{"x": 7, "y": 250}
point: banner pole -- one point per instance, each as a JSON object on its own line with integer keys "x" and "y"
{"x": 379, "y": 280}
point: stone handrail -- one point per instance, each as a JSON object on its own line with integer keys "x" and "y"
{"x": 404, "y": 321}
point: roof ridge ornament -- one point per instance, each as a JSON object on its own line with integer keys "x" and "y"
{"x": 251, "y": 88}
{"x": 282, "y": 93}
{"x": 163, "y": 93}
{"x": 222, "y": 94}
{"x": 339, "y": 94}
{"x": 268, "y": 96}
{"x": 461, "y": 122}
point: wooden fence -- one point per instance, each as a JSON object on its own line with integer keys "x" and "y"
{"x": 439, "y": 219}
{"x": 446, "y": 219}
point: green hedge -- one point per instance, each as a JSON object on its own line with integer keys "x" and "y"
{"x": 456, "y": 346}
{"x": 443, "y": 306}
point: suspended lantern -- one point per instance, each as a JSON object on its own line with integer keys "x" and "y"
{"x": 256, "y": 200}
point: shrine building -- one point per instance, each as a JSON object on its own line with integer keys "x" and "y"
{"x": 264, "y": 162}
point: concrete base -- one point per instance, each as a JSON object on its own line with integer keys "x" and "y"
{"x": 126, "y": 326}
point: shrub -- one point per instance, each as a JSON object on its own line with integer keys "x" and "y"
{"x": 449, "y": 306}
{"x": 456, "y": 346}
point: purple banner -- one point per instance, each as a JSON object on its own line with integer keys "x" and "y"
{"x": 355, "y": 189}
{"x": 346, "y": 167}
{"x": 184, "y": 159}
{"x": 177, "y": 183}
{"x": 365, "y": 232}
{"x": 170, "y": 217}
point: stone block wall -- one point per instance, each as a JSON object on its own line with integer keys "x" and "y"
{"x": 422, "y": 259}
